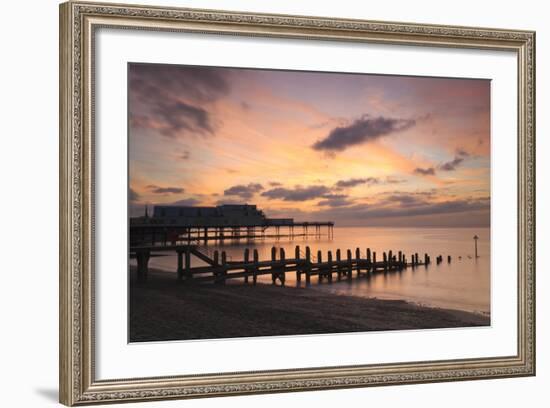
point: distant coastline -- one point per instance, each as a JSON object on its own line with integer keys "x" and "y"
{"x": 162, "y": 310}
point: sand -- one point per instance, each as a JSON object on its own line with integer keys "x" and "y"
{"x": 165, "y": 309}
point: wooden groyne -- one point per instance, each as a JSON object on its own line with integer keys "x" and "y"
{"x": 304, "y": 265}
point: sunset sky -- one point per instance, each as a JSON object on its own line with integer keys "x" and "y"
{"x": 356, "y": 149}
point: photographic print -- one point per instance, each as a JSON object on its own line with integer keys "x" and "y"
{"x": 271, "y": 202}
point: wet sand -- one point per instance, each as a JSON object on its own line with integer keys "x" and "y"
{"x": 164, "y": 309}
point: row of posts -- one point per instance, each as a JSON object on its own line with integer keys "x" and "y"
{"x": 389, "y": 261}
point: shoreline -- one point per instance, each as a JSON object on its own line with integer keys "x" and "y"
{"x": 164, "y": 309}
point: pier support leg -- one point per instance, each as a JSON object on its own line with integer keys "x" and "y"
{"x": 180, "y": 265}
{"x": 142, "y": 258}
{"x": 188, "y": 264}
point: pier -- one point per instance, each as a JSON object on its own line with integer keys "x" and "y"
{"x": 164, "y": 234}
{"x": 304, "y": 264}
{"x": 188, "y": 225}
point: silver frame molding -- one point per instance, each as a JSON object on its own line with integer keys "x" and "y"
{"x": 78, "y": 22}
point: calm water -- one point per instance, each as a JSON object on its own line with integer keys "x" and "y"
{"x": 464, "y": 284}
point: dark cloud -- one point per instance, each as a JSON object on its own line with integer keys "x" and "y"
{"x": 356, "y": 181}
{"x": 393, "y": 180}
{"x": 361, "y": 131}
{"x": 430, "y": 171}
{"x": 203, "y": 84}
{"x": 173, "y": 99}
{"x": 298, "y": 193}
{"x": 275, "y": 184}
{"x": 451, "y": 165}
{"x": 406, "y": 207}
{"x": 335, "y": 200}
{"x": 244, "y": 191}
{"x": 165, "y": 190}
{"x": 187, "y": 202}
{"x": 405, "y": 199}
{"x": 133, "y": 195}
{"x": 462, "y": 153}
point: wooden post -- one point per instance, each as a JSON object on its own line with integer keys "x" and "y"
{"x": 221, "y": 277}
{"x": 180, "y": 264}
{"x": 390, "y": 259}
{"x": 374, "y": 259}
{"x": 385, "y": 261}
{"x": 188, "y": 274}
{"x": 368, "y": 255}
{"x": 298, "y": 267}
{"x": 338, "y": 260}
{"x": 246, "y": 258}
{"x": 357, "y": 260}
{"x": 350, "y": 265}
{"x": 255, "y": 270}
{"x": 142, "y": 258}
{"x": 329, "y": 260}
{"x": 448, "y": 258}
{"x": 426, "y": 259}
{"x": 416, "y": 258}
{"x": 319, "y": 261}
{"x": 273, "y": 269}
{"x": 308, "y": 265}
{"x": 282, "y": 269}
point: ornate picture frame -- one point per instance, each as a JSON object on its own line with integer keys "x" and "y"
{"x": 78, "y": 24}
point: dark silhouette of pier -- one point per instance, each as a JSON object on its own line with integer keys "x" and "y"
{"x": 187, "y": 225}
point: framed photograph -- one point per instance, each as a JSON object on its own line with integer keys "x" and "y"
{"x": 256, "y": 203}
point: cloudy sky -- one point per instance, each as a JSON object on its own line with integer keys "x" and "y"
{"x": 356, "y": 149}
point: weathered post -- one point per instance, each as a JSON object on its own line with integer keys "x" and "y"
{"x": 475, "y": 241}
{"x": 319, "y": 261}
{"x": 358, "y": 260}
{"x": 308, "y": 265}
{"x": 188, "y": 274}
{"x": 448, "y": 258}
{"x": 255, "y": 270}
{"x": 298, "y": 264}
{"x": 390, "y": 259}
{"x": 400, "y": 261}
{"x": 273, "y": 269}
{"x": 416, "y": 258}
{"x": 350, "y": 264}
{"x": 374, "y": 261}
{"x": 338, "y": 265}
{"x": 180, "y": 264}
{"x": 385, "y": 261}
{"x": 282, "y": 269}
{"x": 221, "y": 277}
{"x": 368, "y": 255}
{"x": 142, "y": 258}
{"x": 329, "y": 261}
{"x": 426, "y": 259}
{"x": 246, "y": 258}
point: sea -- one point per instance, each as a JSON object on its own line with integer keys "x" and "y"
{"x": 463, "y": 284}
